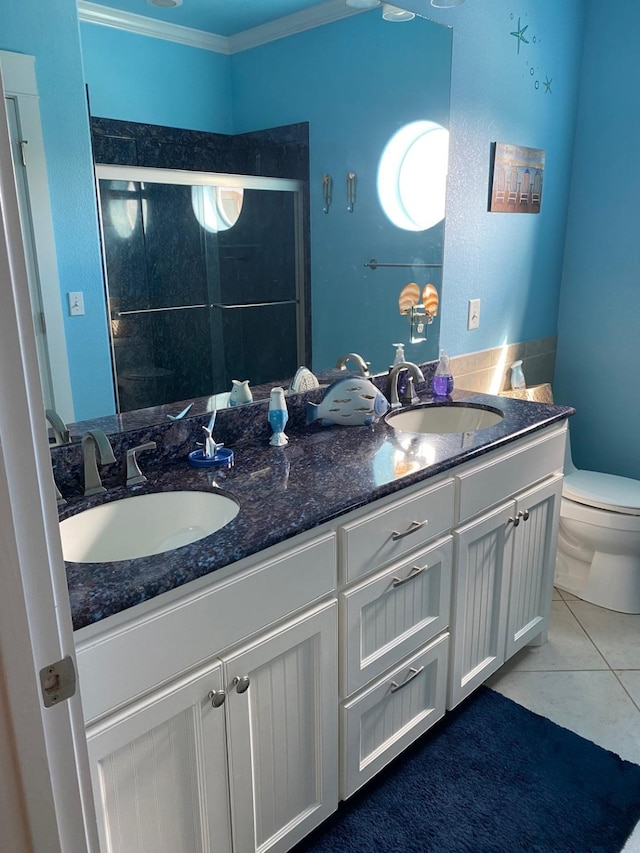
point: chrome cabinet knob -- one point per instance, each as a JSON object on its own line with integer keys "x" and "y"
{"x": 217, "y": 697}
{"x": 241, "y": 683}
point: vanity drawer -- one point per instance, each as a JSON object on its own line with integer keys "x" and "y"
{"x": 390, "y": 533}
{"x": 382, "y": 721}
{"x": 488, "y": 484}
{"x": 172, "y": 639}
{"x": 390, "y": 615}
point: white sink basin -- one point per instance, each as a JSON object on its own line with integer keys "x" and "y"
{"x": 143, "y": 525}
{"x": 443, "y": 419}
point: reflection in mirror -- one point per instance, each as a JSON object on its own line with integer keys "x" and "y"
{"x": 377, "y": 77}
{"x": 203, "y": 281}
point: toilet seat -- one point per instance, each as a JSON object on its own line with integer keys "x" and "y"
{"x": 604, "y": 491}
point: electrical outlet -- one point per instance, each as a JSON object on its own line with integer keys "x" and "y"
{"x": 76, "y": 303}
{"x": 473, "y": 320}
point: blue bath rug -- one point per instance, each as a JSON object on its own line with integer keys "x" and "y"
{"x": 491, "y": 777}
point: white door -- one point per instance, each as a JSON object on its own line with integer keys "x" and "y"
{"x": 47, "y": 775}
{"x": 282, "y": 722}
{"x": 482, "y": 562}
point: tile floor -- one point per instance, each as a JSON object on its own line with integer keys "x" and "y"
{"x": 585, "y": 678}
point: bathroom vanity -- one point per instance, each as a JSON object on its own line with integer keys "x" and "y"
{"x": 371, "y": 581}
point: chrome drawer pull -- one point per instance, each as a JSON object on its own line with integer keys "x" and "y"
{"x": 217, "y": 697}
{"x": 524, "y": 515}
{"x": 415, "y": 571}
{"x": 241, "y": 684}
{"x": 413, "y": 673}
{"x": 415, "y": 525}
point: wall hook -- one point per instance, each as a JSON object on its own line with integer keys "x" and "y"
{"x": 351, "y": 190}
{"x": 327, "y": 191}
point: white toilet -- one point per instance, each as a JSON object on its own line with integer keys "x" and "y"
{"x": 598, "y": 557}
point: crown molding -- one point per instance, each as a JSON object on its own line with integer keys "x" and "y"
{"x": 298, "y": 22}
{"x": 316, "y": 16}
{"x": 94, "y": 13}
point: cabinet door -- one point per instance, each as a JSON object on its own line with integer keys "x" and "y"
{"x": 482, "y": 561}
{"x": 533, "y": 564}
{"x": 282, "y": 711}
{"x": 159, "y": 772}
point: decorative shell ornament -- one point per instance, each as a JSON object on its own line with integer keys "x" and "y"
{"x": 409, "y": 296}
{"x": 304, "y": 380}
{"x": 430, "y": 300}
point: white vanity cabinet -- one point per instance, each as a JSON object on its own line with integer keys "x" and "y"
{"x": 237, "y": 757}
{"x": 237, "y": 754}
{"x": 504, "y": 562}
{"x": 231, "y": 715}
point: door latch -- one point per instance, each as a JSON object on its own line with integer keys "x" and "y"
{"x": 58, "y": 682}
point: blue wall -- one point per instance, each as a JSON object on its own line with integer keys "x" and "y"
{"x": 143, "y": 79}
{"x": 49, "y": 31}
{"x": 513, "y": 263}
{"x": 599, "y": 320}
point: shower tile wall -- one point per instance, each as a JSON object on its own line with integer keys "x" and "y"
{"x": 168, "y": 261}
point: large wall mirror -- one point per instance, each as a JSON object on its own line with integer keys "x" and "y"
{"x": 356, "y": 80}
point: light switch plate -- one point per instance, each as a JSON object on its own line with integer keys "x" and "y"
{"x": 76, "y": 303}
{"x": 473, "y": 320}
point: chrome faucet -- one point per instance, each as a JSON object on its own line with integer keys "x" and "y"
{"x": 61, "y": 433}
{"x": 415, "y": 375}
{"x": 95, "y": 444}
{"x": 363, "y": 366}
{"x": 133, "y": 474}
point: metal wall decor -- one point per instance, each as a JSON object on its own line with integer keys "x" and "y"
{"x": 351, "y": 190}
{"x": 327, "y": 192}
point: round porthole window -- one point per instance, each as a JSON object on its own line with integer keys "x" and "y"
{"x": 412, "y": 175}
{"x": 217, "y": 208}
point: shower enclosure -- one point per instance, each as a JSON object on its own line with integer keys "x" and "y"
{"x": 204, "y": 281}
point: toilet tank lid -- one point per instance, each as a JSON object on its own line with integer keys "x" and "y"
{"x": 605, "y": 491}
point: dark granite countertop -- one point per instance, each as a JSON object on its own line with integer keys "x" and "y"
{"x": 321, "y": 474}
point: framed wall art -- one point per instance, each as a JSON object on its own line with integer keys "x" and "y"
{"x": 516, "y": 179}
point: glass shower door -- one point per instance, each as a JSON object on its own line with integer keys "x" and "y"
{"x": 203, "y": 282}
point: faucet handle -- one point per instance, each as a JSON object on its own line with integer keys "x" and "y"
{"x": 409, "y": 396}
{"x": 133, "y": 474}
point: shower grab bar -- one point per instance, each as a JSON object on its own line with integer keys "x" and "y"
{"x": 374, "y": 264}
{"x": 205, "y": 305}
{"x": 157, "y": 310}
{"x": 254, "y": 304}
